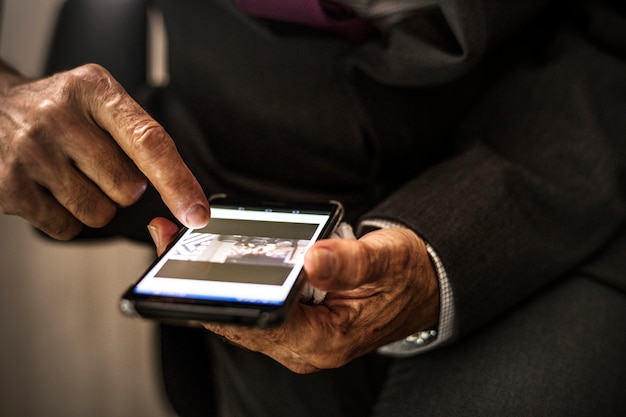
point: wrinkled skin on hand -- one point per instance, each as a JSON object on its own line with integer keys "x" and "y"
{"x": 382, "y": 288}
{"x": 75, "y": 146}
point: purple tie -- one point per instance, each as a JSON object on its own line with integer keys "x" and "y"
{"x": 321, "y": 14}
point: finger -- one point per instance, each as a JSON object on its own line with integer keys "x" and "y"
{"x": 98, "y": 157}
{"x": 341, "y": 264}
{"x": 82, "y": 198}
{"x": 76, "y": 193}
{"x": 56, "y": 222}
{"x": 281, "y": 354}
{"x": 71, "y": 139}
{"x": 37, "y": 206}
{"x": 162, "y": 232}
{"x": 146, "y": 143}
{"x": 50, "y": 168}
{"x": 36, "y": 167}
{"x": 286, "y": 344}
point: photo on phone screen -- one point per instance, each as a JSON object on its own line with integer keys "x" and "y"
{"x": 247, "y": 261}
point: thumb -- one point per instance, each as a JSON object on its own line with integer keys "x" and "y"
{"x": 162, "y": 232}
{"x": 342, "y": 264}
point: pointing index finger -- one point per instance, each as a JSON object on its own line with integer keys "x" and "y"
{"x": 147, "y": 143}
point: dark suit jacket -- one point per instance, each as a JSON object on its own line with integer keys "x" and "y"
{"x": 493, "y": 129}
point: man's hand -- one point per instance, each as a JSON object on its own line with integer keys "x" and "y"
{"x": 382, "y": 288}
{"x": 75, "y": 146}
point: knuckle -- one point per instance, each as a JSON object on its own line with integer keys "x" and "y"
{"x": 124, "y": 182}
{"x": 93, "y": 214}
{"x": 46, "y": 110}
{"x": 10, "y": 159}
{"x": 150, "y": 141}
{"x": 67, "y": 232}
{"x": 14, "y": 189}
{"x": 89, "y": 209}
{"x": 88, "y": 81}
{"x": 93, "y": 75}
{"x": 148, "y": 135}
{"x": 61, "y": 228}
{"x": 101, "y": 217}
{"x": 58, "y": 227}
{"x": 23, "y": 143}
{"x": 131, "y": 190}
{"x": 5, "y": 207}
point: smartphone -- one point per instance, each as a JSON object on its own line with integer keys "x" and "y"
{"x": 244, "y": 267}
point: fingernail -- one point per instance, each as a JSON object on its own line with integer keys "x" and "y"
{"x": 154, "y": 234}
{"x": 197, "y": 216}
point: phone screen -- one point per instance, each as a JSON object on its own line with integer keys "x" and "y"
{"x": 243, "y": 255}
{"x": 246, "y": 255}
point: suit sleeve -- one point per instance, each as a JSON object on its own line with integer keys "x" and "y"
{"x": 539, "y": 184}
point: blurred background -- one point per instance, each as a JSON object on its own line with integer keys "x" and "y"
{"x": 65, "y": 349}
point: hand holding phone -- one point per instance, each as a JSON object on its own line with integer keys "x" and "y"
{"x": 245, "y": 267}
